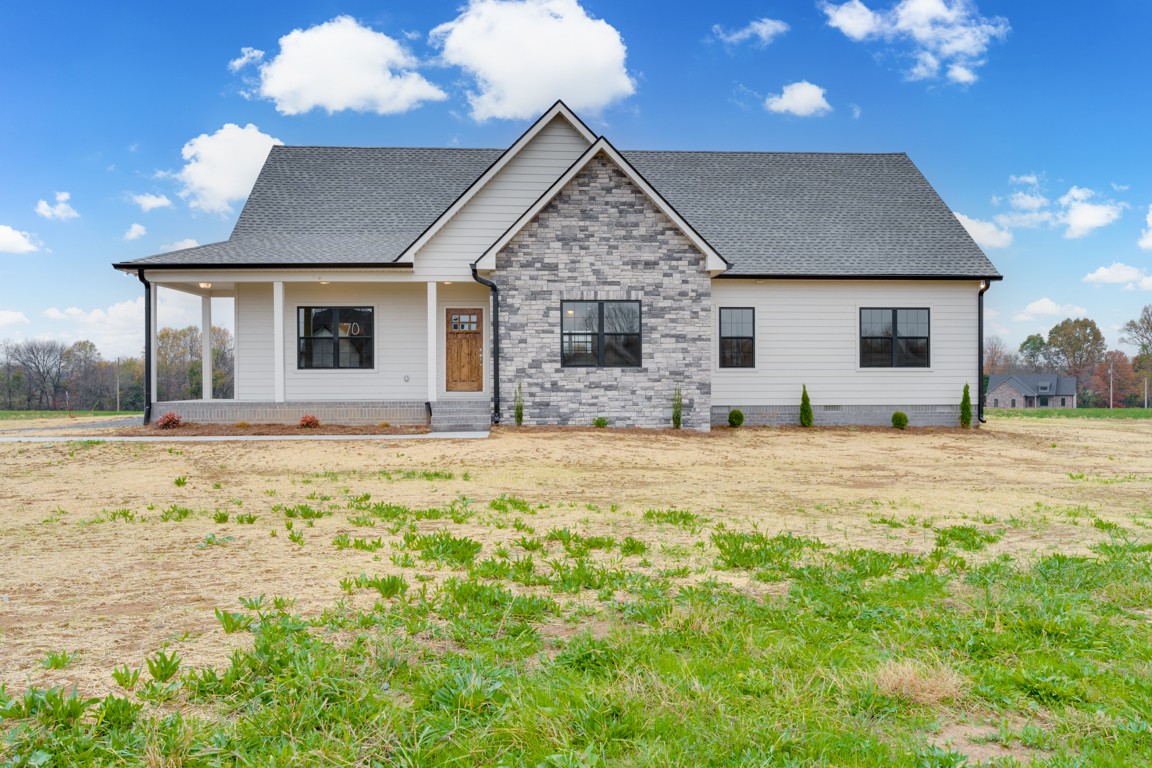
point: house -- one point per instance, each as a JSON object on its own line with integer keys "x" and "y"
{"x": 1031, "y": 390}
{"x": 413, "y": 285}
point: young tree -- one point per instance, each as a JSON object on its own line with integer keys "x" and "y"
{"x": 45, "y": 365}
{"x": 1032, "y": 353}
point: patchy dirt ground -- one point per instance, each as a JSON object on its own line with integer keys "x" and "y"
{"x": 113, "y": 591}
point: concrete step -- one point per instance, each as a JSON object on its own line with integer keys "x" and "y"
{"x": 461, "y": 416}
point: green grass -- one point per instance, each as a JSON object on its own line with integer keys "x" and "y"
{"x": 1069, "y": 413}
{"x": 24, "y": 415}
{"x": 567, "y": 649}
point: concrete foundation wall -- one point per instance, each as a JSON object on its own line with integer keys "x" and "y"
{"x": 841, "y": 415}
{"x": 396, "y": 413}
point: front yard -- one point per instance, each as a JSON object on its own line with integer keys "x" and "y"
{"x": 579, "y": 598}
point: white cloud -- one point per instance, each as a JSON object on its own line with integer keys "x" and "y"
{"x": 985, "y": 233}
{"x": 1028, "y": 178}
{"x": 179, "y": 245}
{"x": 15, "y": 241}
{"x": 1082, "y": 217}
{"x": 62, "y": 211}
{"x": 10, "y": 317}
{"x": 342, "y": 65}
{"x": 222, "y": 168}
{"x": 135, "y": 232}
{"x": 802, "y": 99}
{"x": 118, "y": 330}
{"x": 247, "y": 56}
{"x": 148, "y": 202}
{"x": 1024, "y": 219}
{"x": 1145, "y": 241}
{"x": 1047, "y": 307}
{"x": 949, "y": 33}
{"x": 1120, "y": 187}
{"x": 1023, "y": 201}
{"x": 856, "y": 111}
{"x": 763, "y": 31}
{"x": 854, "y": 19}
{"x": 1117, "y": 274}
{"x": 526, "y": 54}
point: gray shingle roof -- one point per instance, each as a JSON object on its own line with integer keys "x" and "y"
{"x": 767, "y": 213}
{"x": 1029, "y": 383}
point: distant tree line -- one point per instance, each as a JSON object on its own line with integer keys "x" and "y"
{"x": 47, "y": 375}
{"x": 1076, "y": 347}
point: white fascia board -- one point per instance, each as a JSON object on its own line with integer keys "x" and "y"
{"x": 559, "y": 109}
{"x": 304, "y": 275}
{"x": 715, "y": 262}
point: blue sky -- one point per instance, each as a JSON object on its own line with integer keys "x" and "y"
{"x": 129, "y": 128}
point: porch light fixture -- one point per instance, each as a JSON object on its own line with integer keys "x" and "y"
{"x": 205, "y": 285}
{"x": 447, "y": 282}
{"x": 325, "y": 282}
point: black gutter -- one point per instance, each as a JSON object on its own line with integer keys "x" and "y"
{"x": 147, "y": 347}
{"x": 980, "y": 352}
{"x": 495, "y": 341}
{"x": 730, "y": 276}
{"x": 308, "y": 267}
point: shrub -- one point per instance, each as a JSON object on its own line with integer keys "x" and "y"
{"x": 805, "y": 408}
{"x": 242, "y": 425}
{"x": 308, "y": 421}
{"x": 168, "y": 421}
{"x": 966, "y": 409}
{"x": 518, "y": 405}
{"x": 677, "y": 407}
{"x": 600, "y": 422}
{"x": 900, "y": 420}
{"x": 735, "y": 417}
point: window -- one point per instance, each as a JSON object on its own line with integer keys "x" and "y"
{"x": 1043, "y": 402}
{"x": 893, "y": 338}
{"x": 737, "y": 337}
{"x": 1063, "y": 402}
{"x": 1013, "y": 402}
{"x": 995, "y": 402}
{"x": 334, "y": 337}
{"x": 602, "y": 334}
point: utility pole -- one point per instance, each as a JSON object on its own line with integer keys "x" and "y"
{"x": 1109, "y": 384}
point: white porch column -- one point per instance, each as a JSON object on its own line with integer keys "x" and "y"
{"x": 433, "y": 314}
{"x": 206, "y": 347}
{"x": 153, "y": 344}
{"x": 278, "y": 339}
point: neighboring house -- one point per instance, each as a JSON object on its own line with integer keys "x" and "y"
{"x": 1031, "y": 390}
{"x": 390, "y": 284}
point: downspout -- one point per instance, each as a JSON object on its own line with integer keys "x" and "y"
{"x": 495, "y": 341}
{"x": 147, "y": 347}
{"x": 984, "y": 286}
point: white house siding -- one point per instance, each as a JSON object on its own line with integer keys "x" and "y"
{"x": 253, "y": 357}
{"x": 807, "y": 333}
{"x": 449, "y": 254}
{"x": 401, "y": 352}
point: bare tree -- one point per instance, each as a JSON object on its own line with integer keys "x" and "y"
{"x": 45, "y": 367}
{"x": 997, "y": 357}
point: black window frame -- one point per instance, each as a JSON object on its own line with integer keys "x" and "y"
{"x": 335, "y": 338}
{"x": 720, "y": 335}
{"x": 895, "y": 337}
{"x": 600, "y": 335}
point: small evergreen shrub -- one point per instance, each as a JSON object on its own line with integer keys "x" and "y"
{"x": 600, "y": 422}
{"x": 805, "y": 407}
{"x": 308, "y": 421}
{"x": 677, "y": 407}
{"x": 168, "y": 421}
{"x": 900, "y": 420}
{"x": 518, "y": 405}
{"x": 735, "y": 417}
{"x": 966, "y": 409}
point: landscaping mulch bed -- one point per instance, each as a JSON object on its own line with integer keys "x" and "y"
{"x": 190, "y": 429}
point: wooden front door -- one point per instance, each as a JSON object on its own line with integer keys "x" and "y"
{"x": 464, "y": 365}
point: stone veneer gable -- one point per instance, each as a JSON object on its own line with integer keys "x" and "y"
{"x": 602, "y": 238}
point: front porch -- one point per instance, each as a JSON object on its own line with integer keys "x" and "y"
{"x": 348, "y": 348}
